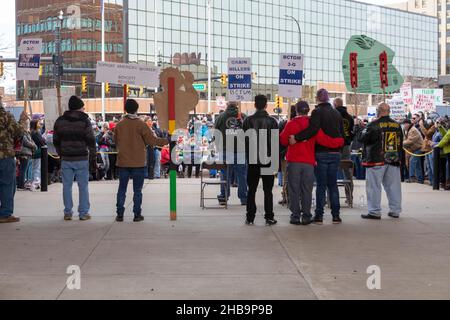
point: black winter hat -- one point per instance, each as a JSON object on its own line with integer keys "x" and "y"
{"x": 75, "y": 103}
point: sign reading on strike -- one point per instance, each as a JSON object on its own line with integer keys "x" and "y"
{"x": 291, "y": 75}
{"x": 240, "y": 79}
{"x": 128, "y": 74}
{"x": 29, "y": 59}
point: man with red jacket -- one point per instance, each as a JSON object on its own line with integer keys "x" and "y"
{"x": 301, "y": 163}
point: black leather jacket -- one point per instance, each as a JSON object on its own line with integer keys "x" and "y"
{"x": 383, "y": 143}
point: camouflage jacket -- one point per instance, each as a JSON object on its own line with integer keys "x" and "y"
{"x": 10, "y": 132}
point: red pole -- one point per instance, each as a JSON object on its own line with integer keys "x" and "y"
{"x": 125, "y": 96}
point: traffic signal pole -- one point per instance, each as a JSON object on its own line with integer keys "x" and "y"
{"x": 58, "y": 64}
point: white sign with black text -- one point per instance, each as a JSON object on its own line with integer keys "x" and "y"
{"x": 291, "y": 75}
{"x": 240, "y": 79}
{"x": 128, "y": 74}
{"x": 29, "y": 59}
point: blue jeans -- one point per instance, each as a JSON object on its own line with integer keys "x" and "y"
{"x": 78, "y": 170}
{"x": 430, "y": 165}
{"x": 326, "y": 177}
{"x": 360, "y": 171}
{"x": 138, "y": 176}
{"x": 415, "y": 167}
{"x": 157, "y": 169}
{"x": 241, "y": 177}
{"x": 7, "y": 186}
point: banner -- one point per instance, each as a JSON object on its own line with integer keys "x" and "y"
{"x": 240, "y": 79}
{"x": 291, "y": 76}
{"x": 407, "y": 93}
{"x": 128, "y": 74}
{"x": 370, "y": 54}
{"x": 50, "y": 102}
{"x": 29, "y": 59}
{"x": 398, "y": 108}
{"x": 426, "y": 100}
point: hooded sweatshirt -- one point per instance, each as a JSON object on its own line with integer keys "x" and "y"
{"x": 132, "y": 135}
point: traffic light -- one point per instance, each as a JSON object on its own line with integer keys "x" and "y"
{"x": 279, "y": 102}
{"x": 224, "y": 79}
{"x": 107, "y": 88}
{"x": 384, "y": 70}
{"x": 2, "y": 69}
{"x": 141, "y": 91}
{"x": 84, "y": 84}
{"x": 354, "y": 69}
{"x": 41, "y": 70}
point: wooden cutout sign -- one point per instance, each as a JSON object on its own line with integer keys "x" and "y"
{"x": 186, "y": 98}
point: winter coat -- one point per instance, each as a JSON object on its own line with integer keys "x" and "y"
{"x": 10, "y": 133}
{"x": 445, "y": 142}
{"x": 413, "y": 140}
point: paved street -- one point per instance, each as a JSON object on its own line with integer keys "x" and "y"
{"x": 212, "y": 255}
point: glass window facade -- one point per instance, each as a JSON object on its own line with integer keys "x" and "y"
{"x": 260, "y": 29}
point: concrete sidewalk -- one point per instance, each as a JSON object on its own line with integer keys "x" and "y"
{"x": 213, "y": 255}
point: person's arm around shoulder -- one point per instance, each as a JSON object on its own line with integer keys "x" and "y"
{"x": 151, "y": 139}
{"x": 312, "y": 130}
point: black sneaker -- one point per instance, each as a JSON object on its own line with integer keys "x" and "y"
{"x": 394, "y": 216}
{"x": 337, "y": 220}
{"x": 271, "y": 222}
{"x": 370, "y": 217}
{"x": 119, "y": 219}
{"x": 318, "y": 221}
{"x": 296, "y": 222}
{"x": 306, "y": 222}
{"x": 138, "y": 219}
{"x": 249, "y": 222}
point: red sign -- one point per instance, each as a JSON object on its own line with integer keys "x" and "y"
{"x": 354, "y": 69}
{"x": 384, "y": 70}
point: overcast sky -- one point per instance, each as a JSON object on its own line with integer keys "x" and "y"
{"x": 7, "y": 32}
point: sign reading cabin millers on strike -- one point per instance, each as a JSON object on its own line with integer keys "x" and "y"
{"x": 240, "y": 79}
{"x": 291, "y": 75}
{"x": 128, "y": 74}
{"x": 29, "y": 59}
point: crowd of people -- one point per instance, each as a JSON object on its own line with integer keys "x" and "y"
{"x": 310, "y": 149}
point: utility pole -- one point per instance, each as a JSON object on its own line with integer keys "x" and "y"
{"x": 103, "y": 59}
{"x": 58, "y": 62}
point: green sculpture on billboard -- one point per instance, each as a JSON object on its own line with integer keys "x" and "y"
{"x": 368, "y": 67}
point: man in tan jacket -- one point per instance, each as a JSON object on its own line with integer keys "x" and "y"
{"x": 413, "y": 143}
{"x": 132, "y": 136}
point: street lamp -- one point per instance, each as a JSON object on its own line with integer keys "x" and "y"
{"x": 209, "y": 56}
{"x": 299, "y": 30}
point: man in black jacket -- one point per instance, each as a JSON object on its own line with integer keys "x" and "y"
{"x": 264, "y": 127}
{"x": 383, "y": 156}
{"x": 349, "y": 125}
{"x": 74, "y": 141}
{"x": 328, "y": 119}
